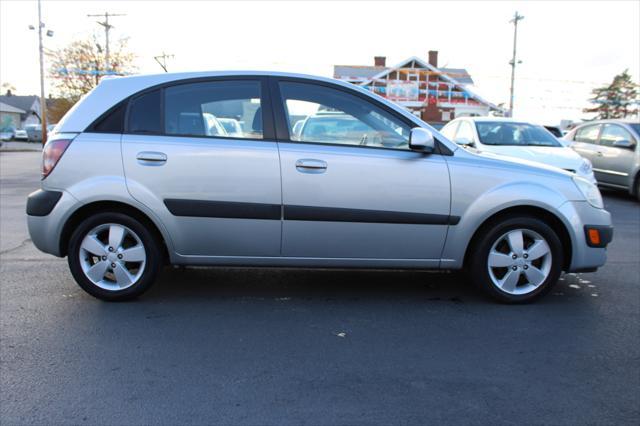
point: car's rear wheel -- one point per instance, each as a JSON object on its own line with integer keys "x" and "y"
{"x": 113, "y": 256}
{"x": 516, "y": 260}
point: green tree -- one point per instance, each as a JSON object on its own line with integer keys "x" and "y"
{"x": 616, "y": 100}
{"x": 78, "y": 67}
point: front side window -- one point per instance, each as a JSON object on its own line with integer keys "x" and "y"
{"x": 323, "y": 115}
{"x": 519, "y": 134}
{"x": 221, "y": 109}
{"x": 587, "y": 134}
{"x": 612, "y": 133}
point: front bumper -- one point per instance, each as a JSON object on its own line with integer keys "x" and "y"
{"x": 581, "y": 215}
{"x": 46, "y": 217}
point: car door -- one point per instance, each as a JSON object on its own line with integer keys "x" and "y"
{"x": 616, "y": 162}
{"x": 218, "y": 195}
{"x": 352, "y": 189}
{"x": 585, "y": 143}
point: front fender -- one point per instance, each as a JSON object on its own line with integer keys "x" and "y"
{"x": 480, "y": 209}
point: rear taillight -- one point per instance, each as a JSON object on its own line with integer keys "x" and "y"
{"x": 52, "y": 153}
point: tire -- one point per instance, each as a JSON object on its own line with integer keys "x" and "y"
{"x": 638, "y": 188}
{"x": 529, "y": 275}
{"x": 123, "y": 273}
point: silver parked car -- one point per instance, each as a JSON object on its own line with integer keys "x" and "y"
{"x": 613, "y": 147}
{"x": 133, "y": 179}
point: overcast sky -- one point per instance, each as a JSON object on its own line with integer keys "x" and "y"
{"x": 566, "y": 47}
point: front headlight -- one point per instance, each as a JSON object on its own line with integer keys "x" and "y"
{"x": 586, "y": 167}
{"x": 590, "y": 191}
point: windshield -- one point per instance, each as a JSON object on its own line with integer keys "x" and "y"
{"x": 636, "y": 127}
{"x": 519, "y": 134}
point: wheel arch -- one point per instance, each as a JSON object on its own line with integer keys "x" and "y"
{"x": 110, "y": 206}
{"x": 531, "y": 211}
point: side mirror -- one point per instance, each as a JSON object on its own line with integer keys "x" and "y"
{"x": 421, "y": 139}
{"x": 624, "y": 143}
{"x": 464, "y": 141}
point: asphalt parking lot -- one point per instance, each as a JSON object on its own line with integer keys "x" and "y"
{"x": 268, "y": 346}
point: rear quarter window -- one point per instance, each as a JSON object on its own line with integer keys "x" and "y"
{"x": 144, "y": 113}
{"x": 111, "y": 122}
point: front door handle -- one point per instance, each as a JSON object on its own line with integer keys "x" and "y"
{"x": 310, "y": 165}
{"x": 599, "y": 153}
{"x": 151, "y": 158}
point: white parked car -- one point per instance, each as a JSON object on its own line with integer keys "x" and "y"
{"x": 21, "y": 135}
{"x": 513, "y": 138}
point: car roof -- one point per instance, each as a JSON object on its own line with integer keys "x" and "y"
{"x": 612, "y": 120}
{"x": 113, "y": 90}
{"x": 496, "y": 120}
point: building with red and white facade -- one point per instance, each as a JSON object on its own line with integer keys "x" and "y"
{"x": 436, "y": 95}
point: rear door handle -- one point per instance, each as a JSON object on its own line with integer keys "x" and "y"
{"x": 151, "y": 158}
{"x": 599, "y": 153}
{"x": 310, "y": 165}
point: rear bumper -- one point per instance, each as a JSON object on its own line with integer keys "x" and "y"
{"x": 46, "y": 217}
{"x": 41, "y": 202}
{"x": 581, "y": 215}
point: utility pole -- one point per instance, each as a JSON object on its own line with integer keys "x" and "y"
{"x": 107, "y": 28}
{"x": 514, "y": 61}
{"x": 43, "y": 101}
{"x": 162, "y": 60}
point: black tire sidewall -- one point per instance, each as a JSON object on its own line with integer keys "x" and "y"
{"x": 480, "y": 254}
{"x": 152, "y": 251}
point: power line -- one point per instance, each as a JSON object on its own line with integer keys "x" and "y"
{"x": 107, "y": 28}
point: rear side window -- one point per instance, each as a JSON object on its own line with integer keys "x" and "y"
{"x": 220, "y": 109}
{"x": 587, "y": 134}
{"x": 144, "y": 113}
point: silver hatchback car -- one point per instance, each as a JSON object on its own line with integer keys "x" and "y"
{"x": 136, "y": 176}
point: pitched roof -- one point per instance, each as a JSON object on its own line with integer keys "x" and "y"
{"x": 21, "y": 102}
{"x": 8, "y": 108}
{"x": 460, "y": 74}
{"x": 356, "y": 72}
{"x": 365, "y": 72}
{"x": 459, "y": 83}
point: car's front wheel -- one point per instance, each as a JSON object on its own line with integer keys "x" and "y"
{"x": 516, "y": 260}
{"x": 113, "y": 256}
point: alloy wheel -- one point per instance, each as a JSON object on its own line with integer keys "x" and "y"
{"x": 519, "y": 261}
{"x": 112, "y": 256}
